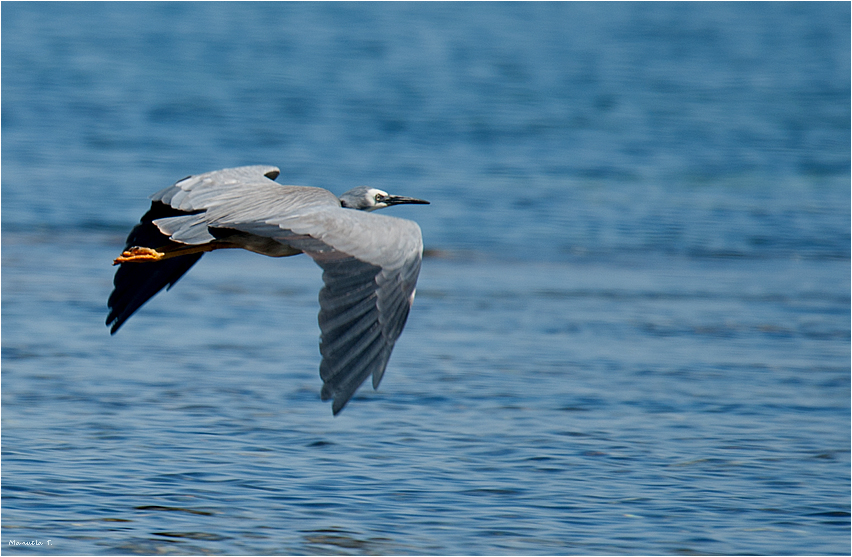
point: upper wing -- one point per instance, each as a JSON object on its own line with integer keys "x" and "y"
{"x": 136, "y": 283}
{"x": 370, "y": 262}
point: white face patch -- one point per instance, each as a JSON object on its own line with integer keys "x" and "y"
{"x": 373, "y": 197}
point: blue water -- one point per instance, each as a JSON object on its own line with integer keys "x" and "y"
{"x": 632, "y": 327}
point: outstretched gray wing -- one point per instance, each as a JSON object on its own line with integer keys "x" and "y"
{"x": 370, "y": 267}
{"x": 370, "y": 262}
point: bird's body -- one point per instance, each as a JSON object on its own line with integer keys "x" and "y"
{"x": 370, "y": 262}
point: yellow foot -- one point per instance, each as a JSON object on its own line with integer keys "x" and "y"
{"x": 138, "y": 255}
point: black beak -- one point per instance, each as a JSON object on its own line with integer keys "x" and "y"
{"x": 400, "y": 200}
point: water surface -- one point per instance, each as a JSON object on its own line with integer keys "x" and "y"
{"x": 631, "y": 332}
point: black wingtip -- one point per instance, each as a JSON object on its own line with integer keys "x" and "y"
{"x": 114, "y": 321}
{"x": 136, "y": 284}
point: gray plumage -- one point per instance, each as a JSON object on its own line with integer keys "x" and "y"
{"x": 370, "y": 262}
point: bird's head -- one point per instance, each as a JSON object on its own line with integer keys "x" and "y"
{"x": 365, "y": 198}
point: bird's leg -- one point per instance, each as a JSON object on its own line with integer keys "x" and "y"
{"x": 138, "y": 254}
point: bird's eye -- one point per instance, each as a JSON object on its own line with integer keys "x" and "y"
{"x": 378, "y": 197}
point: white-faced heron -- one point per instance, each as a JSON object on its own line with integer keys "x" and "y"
{"x": 370, "y": 262}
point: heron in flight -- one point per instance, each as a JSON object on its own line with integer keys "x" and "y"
{"x": 370, "y": 262}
